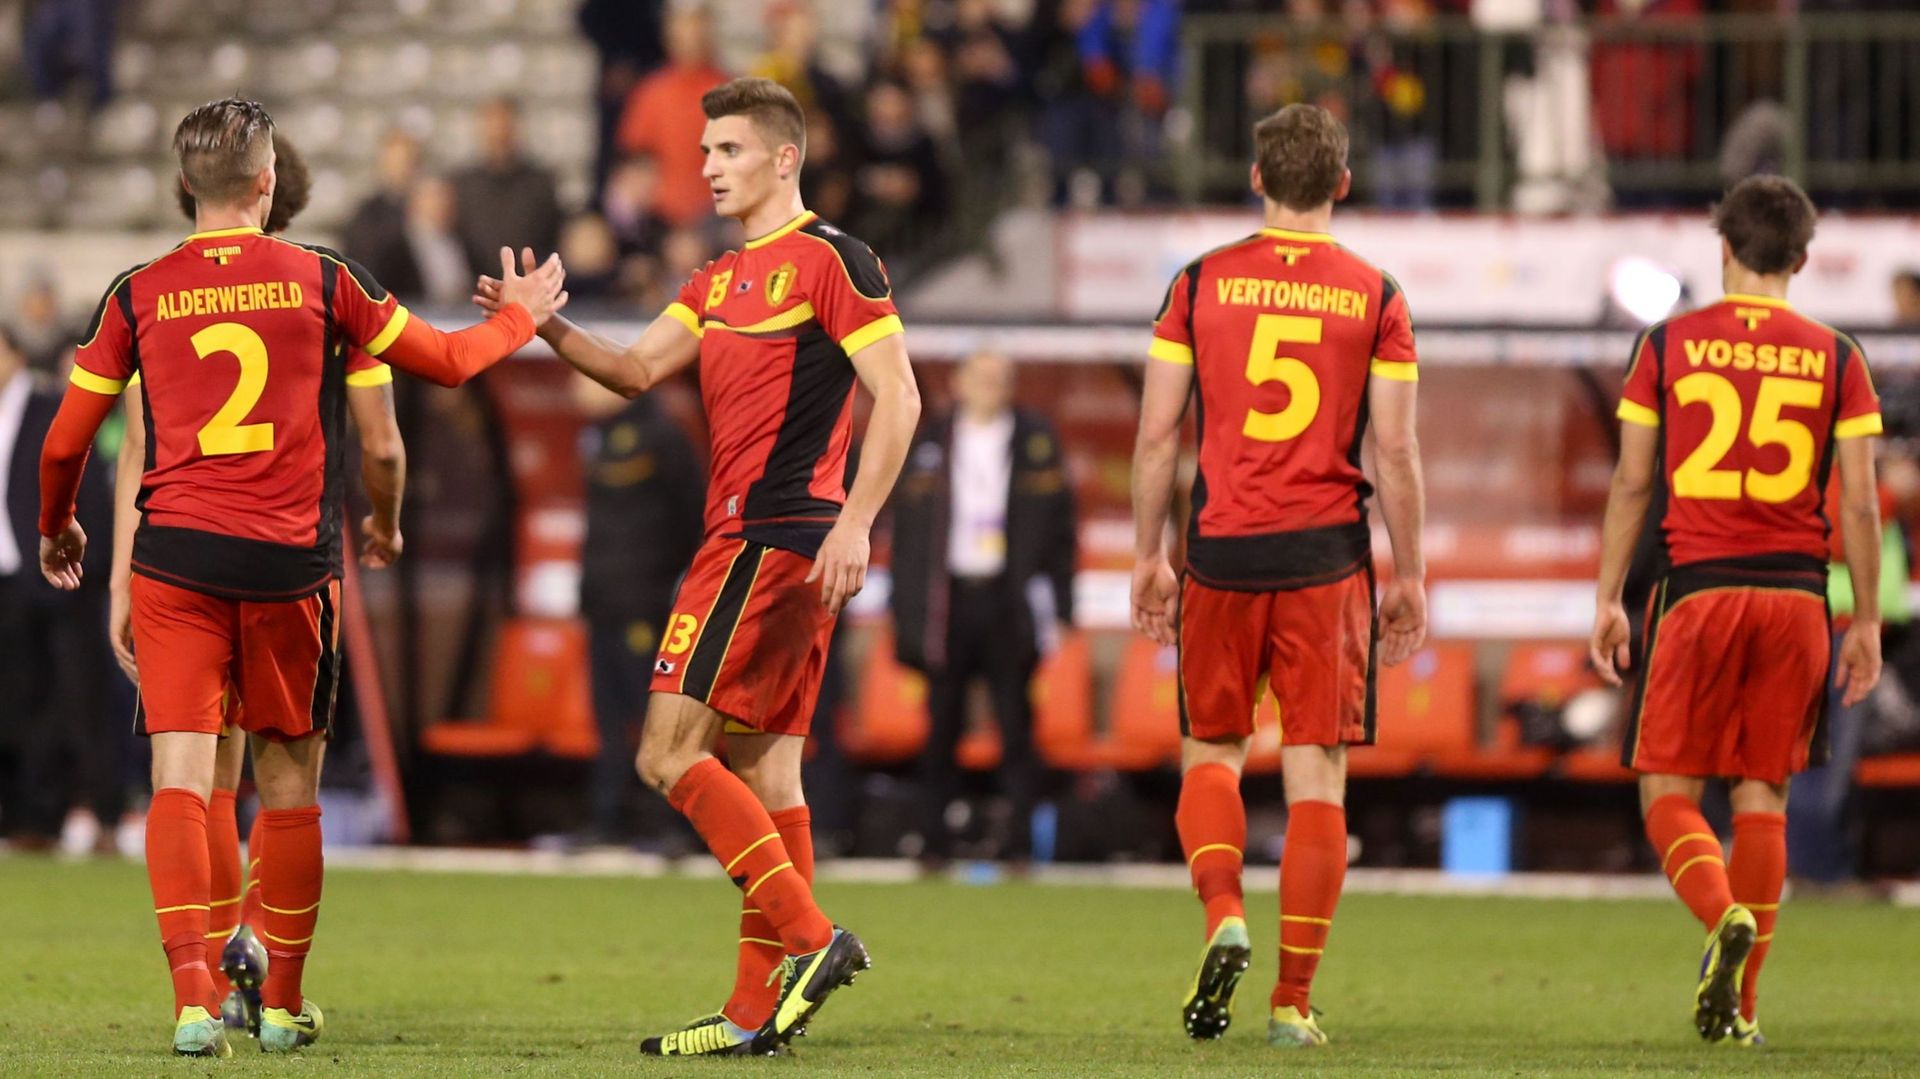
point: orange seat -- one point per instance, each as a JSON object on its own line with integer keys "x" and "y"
{"x": 1427, "y": 711}
{"x": 538, "y": 699}
{"x": 1548, "y": 674}
{"x": 1063, "y": 703}
{"x": 1144, "y": 717}
{"x": 889, "y": 724}
{"x": 1898, "y": 770}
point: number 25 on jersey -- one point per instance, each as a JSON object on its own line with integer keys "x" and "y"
{"x": 1699, "y": 476}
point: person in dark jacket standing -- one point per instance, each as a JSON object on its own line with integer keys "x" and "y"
{"x": 983, "y": 562}
{"x": 645, "y": 490}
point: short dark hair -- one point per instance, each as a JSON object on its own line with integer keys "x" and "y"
{"x": 222, "y": 146}
{"x": 771, "y": 106}
{"x": 292, "y": 187}
{"x": 1768, "y": 222}
{"x": 1302, "y": 152}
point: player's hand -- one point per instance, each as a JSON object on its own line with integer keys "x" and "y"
{"x": 1859, "y": 666}
{"x": 1608, "y": 648}
{"x": 1403, "y": 619}
{"x": 60, "y": 557}
{"x": 841, "y": 565}
{"x": 1156, "y": 596}
{"x": 379, "y": 547}
{"x": 120, "y": 630}
{"x": 537, "y": 288}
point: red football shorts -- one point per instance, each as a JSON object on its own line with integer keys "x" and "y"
{"x": 1313, "y": 647}
{"x": 282, "y": 660}
{"x": 748, "y": 636}
{"x": 1735, "y": 679}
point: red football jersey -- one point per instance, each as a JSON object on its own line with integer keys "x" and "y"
{"x": 777, "y": 322}
{"x": 1749, "y": 396}
{"x": 242, "y": 344}
{"x": 1284, "y": 330}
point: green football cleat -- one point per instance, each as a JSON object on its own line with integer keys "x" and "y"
{"x": 282, "y": 1031}
{"x": 1745, "y": 1034}
{"x": 1209, "y": 1006}
{"x": 1290, "y": 1029}
{"x": 200, "y": 1033}
{"x": 810, "y": 978}
{"x": 708, "y": 1036}
{"x": 1716, "y": 1000}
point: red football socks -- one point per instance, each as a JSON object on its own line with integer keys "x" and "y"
{"x": 1690, "y": 856}
{"x": 250, "y": 896}
{"x": 737, "y": 829}
{"x": 291, "y": 867}
{"x": 1756, "y": 875}
{"x": 181, "y": 879}
{"x": 1212, "y": 821}
{"x": 1313, "y": 866}
{"x": 754, "y": 987}
{"x": 223, "y": 858}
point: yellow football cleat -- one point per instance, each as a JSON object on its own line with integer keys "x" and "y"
{"x": 1209, "y": 1006}
{"x": 1290, "y": 1029}
{"x": 200, "y": 1033}
{"x": 1716, "y": 1000}
{"x": 282, "y": 1031}
{"x": 1745, "y": 1034}
{"x": 709, "y": 1035}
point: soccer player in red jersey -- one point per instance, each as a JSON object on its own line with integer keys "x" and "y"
{"x": 1738, "y": 410}
{"x": 1292, "y": 348}
{"x": 233, "y": 943}
{"x": 241, "y": 341}
{"x": 782, "y": 330}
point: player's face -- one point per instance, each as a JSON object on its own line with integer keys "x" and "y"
{"x": 741, "y": 170}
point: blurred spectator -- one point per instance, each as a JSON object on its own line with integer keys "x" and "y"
{"x": 375, "y": 236}
{"x": 59, "y": 737}
{"x": 626, "y": 36}
{"x": 984, "y": 547}
{"x": 592, "y": 257}
{"x": 900, "y": 182}
{"x": 792, "y": 59}
{"x": 663, "y": 118}
{"x": 504, "y": 200}
{"x": 826, "y": 184}
{"x": 644, "y": 494}
{"x": 1406, "y": 153}
{"x": 685, "y": 249}
{"x": 39, "y": 331}
{"x": 1906, "y": 299}
{"x": 1643, "y": 90}
{"x": 631, "y": 206}
{"x": 985, "y": 73}
{"x": 1105, "y": 79}
{"x": 68, "y": 40}
{"x": 440, "y": 258}
{"x": 924, "y": 70}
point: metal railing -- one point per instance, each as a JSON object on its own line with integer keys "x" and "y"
{"x": 1651, "y": 111}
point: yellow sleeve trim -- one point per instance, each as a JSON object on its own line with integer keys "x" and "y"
{"x": 1171, "y": 351}
{"x": 387, "y": 336}
{"x": 377, "y": 375}
{"x": 879, "y": 329}
{"x": 684, "y": 315}
{"x": 1637, "y": 413}
{"x": 87, "y": 380}
{"x": 1856, "y": 427}
{"x": 1397, "y": 370}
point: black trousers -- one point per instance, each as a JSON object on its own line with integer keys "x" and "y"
{"x": 990, "y": 637}
{"x": 620, "y": 653}
{"x": 66, "y": 741}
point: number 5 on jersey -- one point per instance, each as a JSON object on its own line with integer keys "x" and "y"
{"x": 1265, "y": 364}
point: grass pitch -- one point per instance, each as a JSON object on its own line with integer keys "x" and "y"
{"x": 427, "y": 974}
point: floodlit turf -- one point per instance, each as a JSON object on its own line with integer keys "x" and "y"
{"x": 465, "y": 975}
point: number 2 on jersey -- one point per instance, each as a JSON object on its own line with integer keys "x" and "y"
{"x": 1265, "y": 364}
{"x": 224, "y": 433}
{"x": 1699, "y": 475}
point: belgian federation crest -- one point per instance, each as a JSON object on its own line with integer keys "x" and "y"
{"x": 780, "y": 283}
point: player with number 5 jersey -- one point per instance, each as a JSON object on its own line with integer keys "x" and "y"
{"x": 241, "y": 341}
{"x": 1291, "y": 349}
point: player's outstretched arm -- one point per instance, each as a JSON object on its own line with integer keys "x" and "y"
{"x": 667, "y": 345}
{"x": 1859, "y": 663}
{"x": 127, "y": 473}
{"x": 63, "y": 460}
{"x": 1156, "y": 452}
{"x": 841, "y": 565}
{"x": 1626, "y": 514}
{"x": 383, "y": 472}
{"x": 524, "y": 302}
{"x": 1403, "y": 502}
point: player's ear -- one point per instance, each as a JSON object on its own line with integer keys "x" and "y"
{"x": 1346, "y": 185}
{"x": 1253, "y": 180}
{"x": 789, "y": 160}
{"x": 1798, "y": 266}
